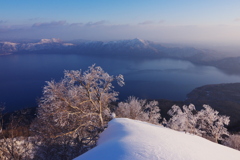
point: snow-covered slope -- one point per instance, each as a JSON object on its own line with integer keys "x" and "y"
{"x": 126, "y": 139}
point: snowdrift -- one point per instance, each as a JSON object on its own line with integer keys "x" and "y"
{"x": 126, "y": 139}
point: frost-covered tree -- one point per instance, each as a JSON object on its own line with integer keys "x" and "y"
{"x": 139, "y": 109}
{"x": 211, "y": 124}
{"x": 183, "y": 119}
{"x": 206, "y": 122}
{"x": 77, "y": 106}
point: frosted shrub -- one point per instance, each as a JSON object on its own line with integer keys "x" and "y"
{"x": 183, "y": 119}
{"x": 139, "y": 109}
{"x": 233, "y": 141}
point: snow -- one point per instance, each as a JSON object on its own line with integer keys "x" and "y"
{"x": 53, "y": 40}
{"x": 126, "y": 139}
{"x": 10, "y": 44}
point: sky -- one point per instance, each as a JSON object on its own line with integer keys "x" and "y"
{"x": 166, "y": 21}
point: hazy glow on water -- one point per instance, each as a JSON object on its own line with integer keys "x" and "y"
{"x": 23, "y": 76}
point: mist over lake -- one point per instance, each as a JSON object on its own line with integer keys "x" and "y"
{"x": 23, "y": 76}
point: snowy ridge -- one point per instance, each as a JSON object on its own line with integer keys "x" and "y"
{"x": 126, "y": 139}
{"x": 10, "y": 47}
{"x": 53, "y": 40}
{"x": 129, "y": 42}
{"x": 10, "y": 44}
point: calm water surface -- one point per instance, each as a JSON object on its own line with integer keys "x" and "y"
{"x": 22, "y": 77}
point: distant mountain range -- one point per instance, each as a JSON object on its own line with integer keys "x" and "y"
{"x": 134, "y": 48}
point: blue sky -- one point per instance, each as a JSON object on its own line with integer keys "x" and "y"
{"x": 171, "y": 21}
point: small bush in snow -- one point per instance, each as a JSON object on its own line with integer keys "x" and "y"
{"x": 140, "y": 110}
{"x": 233, "y": 141}
{"x": 183, "y": 120}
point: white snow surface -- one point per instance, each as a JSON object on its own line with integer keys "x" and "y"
{"x": 126, "y": 139}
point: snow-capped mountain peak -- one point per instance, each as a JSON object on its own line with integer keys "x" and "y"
{"x": 138, "y": 40}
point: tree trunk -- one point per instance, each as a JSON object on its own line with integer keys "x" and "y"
{"x": 100, "y": 113}
{"x": 101, "y": 119}
{"x": 216, "y": 139}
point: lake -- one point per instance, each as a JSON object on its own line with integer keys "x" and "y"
{"x": 22, "y": 76}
